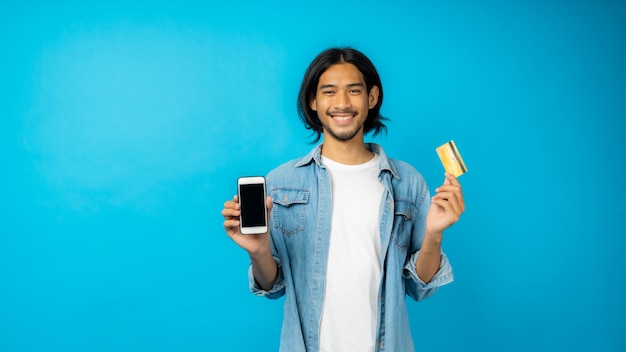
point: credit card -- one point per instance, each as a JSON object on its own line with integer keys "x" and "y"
{"x": 451, "y": 159}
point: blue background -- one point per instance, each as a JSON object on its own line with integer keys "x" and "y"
{"x": 125, "y": 125}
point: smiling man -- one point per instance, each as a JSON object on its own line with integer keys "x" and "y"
{"x": 352, "y": 231}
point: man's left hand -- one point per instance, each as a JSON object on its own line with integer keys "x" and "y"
{"x": 446, "y": 207}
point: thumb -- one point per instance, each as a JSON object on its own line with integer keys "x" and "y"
{"x": 446, "y": 181}
{"x": 268, "y": 201}
{"x": 270, "y": 204}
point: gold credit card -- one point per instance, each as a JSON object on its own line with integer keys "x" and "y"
{"x": 451, "y": 159}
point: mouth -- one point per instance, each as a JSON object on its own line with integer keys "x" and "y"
{"x": 342, "y": 116}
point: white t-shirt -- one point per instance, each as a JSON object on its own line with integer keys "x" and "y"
{"x": 350, "y": 311}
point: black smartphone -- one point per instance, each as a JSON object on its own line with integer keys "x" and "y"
{"x": 253, "y": 218}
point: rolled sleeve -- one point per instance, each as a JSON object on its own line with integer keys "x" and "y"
{"x": 276, "y": 291}
{"x": 418, "y": 289}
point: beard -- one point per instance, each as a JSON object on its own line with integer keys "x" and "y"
{"x": 342, "y": 136}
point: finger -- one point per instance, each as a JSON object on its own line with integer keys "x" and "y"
{"x": 461, "y": 200}
{"x": 231, "y": 205}
{"x": 230, "y": 213}
{"x": 270, "y": 204}
{"x": 454, "y": 182}
{"x": 449, "y": 188}
{"x": 451, "y": 214}
{"x": 456, "y": 190}
{"x": 450, "y": 198}
{"x": 451, "y": 180}
{"x": 231, "y": 226}
{"x": 453, "y": 194}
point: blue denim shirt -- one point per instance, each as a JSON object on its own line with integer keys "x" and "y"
{"x": 300, "y": 229}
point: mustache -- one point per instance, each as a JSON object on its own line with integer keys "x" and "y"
{"x": 341, "y": 111}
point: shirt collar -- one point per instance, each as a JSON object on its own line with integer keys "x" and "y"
{"x": 386, "y": 164}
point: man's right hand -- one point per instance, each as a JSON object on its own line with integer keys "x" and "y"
{"x": 255, "y": 245}
{"x": 264, "y": 267}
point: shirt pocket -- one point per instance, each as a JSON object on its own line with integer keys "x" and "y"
{"x": 404, "y": 211}
{"x": 289, "y": 211}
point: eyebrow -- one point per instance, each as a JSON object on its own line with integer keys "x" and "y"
{"x": 351, "y": 85}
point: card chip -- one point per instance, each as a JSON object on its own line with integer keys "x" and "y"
{"x": 451, "y": 159}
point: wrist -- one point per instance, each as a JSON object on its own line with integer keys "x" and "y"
{"x": 436, "y": 236}
{"x": 260, "y": 253}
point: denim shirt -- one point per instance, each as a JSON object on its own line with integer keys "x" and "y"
{"x": 300, "y": 223}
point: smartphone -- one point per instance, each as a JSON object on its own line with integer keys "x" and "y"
{"x": 253, "y": 218}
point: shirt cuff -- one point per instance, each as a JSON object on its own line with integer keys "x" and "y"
{"x": 443, "y": 276}
{"x": 276, "y": 291}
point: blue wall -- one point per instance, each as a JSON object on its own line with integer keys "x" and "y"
{"x": 124, "y": 127}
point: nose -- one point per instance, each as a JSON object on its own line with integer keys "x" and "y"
{"x": 343, "y": 100}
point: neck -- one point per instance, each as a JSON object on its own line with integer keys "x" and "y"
{"x": 352, "y": 152}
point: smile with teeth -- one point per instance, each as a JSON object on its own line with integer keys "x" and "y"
{"x": 341, "y": 118}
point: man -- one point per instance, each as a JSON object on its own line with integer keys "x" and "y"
{"x": 351, "y": 230}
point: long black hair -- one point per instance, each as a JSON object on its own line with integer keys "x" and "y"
{"x": 318, "y": 66}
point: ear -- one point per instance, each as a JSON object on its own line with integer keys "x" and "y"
{"x": 373, "y": 96}
{"x": 313, "y": 102}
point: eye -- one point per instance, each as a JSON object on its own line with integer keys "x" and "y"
{"x": 328, "y": 92}
{"x": 354, "y": 91}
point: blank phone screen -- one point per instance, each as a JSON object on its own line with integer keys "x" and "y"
{"x": 252, "y": 199}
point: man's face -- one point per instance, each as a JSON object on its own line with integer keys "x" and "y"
{"x": 342, "y": 101}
